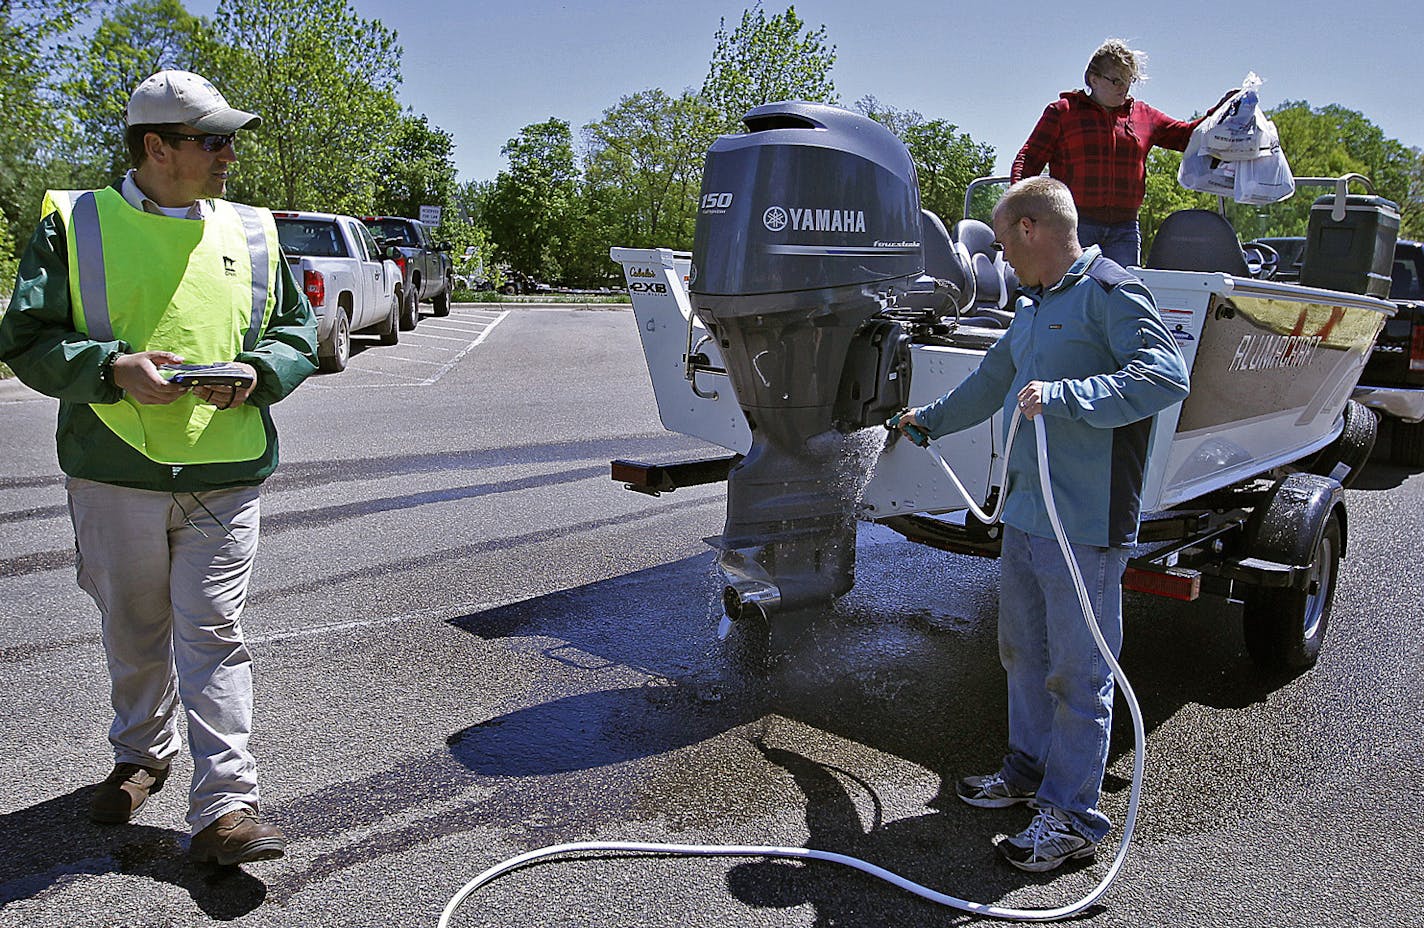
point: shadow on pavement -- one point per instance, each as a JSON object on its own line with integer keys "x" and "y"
{"x": 53, "y": 842}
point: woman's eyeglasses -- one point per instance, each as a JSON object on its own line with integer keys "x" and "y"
{"x": 1117, "y": 82}
{"x": 210, "y": 143}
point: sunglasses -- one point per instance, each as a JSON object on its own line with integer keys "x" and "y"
{"x": 210, "y": 143}
{"x": 1117, "y": 82}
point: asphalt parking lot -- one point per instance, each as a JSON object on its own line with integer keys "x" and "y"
{"x": 469, "y": 643}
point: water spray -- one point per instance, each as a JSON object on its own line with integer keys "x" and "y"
{"x": 1004, "y": 913}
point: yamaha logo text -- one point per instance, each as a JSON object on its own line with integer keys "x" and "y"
{"x": 805, "y": 219}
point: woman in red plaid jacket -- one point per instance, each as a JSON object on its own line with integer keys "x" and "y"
{"x": 1097, "y": 143}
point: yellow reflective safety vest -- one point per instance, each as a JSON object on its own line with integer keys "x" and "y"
{"x": 200, "y": 288}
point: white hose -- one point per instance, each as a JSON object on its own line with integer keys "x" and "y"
{"x": 802, "y": 853}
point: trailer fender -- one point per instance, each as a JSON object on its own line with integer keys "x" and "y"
{"x": 1287, "y": 526}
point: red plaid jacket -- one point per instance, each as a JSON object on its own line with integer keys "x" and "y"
{"x": 1100, "y": 154}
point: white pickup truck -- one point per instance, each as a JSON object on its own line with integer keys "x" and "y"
{"x": 351, "y": 284}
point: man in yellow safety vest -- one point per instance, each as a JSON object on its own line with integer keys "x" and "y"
{"x": 116, "y": 288}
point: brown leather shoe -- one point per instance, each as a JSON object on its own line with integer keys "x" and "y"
{"x": 238, "y": 837}
{"x": 124, "y": 792}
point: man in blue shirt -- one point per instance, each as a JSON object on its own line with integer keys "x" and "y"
{"x": 1088, "y": 351}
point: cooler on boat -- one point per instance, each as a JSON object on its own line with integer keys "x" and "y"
{"x": 1349, "y": 245}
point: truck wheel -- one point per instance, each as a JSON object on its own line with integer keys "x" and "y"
{"x": 509, "y": 290}
{"x": 339, "y": 351}
{"x": 1345, "y": 457}
{"x": 441, "y": 303}
{"x": 389, "y": 330}
{"x": 410, "y": 311}
{"x": 1407, "y": 444}
{"x": 1284, "y": 628}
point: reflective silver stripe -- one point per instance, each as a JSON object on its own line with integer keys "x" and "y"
{"x": 261, "y": 272}
{"x": 89, "y": 255}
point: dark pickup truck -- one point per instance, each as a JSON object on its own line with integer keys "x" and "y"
{"x": 425, "y": 264}
{"x": 1393, "y": 381}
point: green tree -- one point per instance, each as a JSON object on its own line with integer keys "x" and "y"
{"x": 1412, "y": 209}
{"x": 130, "y": 43}
{"x": 643, "y": 168}
{"x": 766, "y": 59}
{"x": 418, "y": 169}
{"x": 533, "y": 208}
{"x": 323, "y": 80}
{"x": 468, "y": 200}
{"x": 1164, "y": 195}
{"x": 1328, "y": 141}
{"x": 35, "y": 129}
{"x": 946, "y": 159}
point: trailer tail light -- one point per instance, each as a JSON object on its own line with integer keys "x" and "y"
{"x": 1173, "y": 582}
{"x": 314, "y": 285}
{"x": 1416, "y": 348}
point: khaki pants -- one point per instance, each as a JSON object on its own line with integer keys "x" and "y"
{"x": 169, "y": 574}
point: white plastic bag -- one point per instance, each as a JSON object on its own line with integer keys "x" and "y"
{"x": 1264, "y": 180}
{"x": 1236, "y": 152}
{"x": 1239, "y": 130}
{"x": 1200, "y": 171}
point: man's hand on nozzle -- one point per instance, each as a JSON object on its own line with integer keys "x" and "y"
{"x": 137, "y": 375}
{"x": 910, "y": 427}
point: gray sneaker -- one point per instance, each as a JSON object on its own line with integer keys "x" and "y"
{"x": 991, "y": 792}
{"x": 1045, "y": 844}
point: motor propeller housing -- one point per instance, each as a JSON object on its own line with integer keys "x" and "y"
{"x": 809, "y": 225}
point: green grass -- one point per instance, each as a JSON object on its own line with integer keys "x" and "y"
{"x": 5, "y": 372}
{"x": 491, "y": 296}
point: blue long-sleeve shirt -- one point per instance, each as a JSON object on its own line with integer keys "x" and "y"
{"x": 1110, "y": 364}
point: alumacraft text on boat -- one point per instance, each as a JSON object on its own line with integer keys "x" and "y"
{"x": 1270, "y": 352}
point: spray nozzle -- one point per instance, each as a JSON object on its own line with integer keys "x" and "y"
{"x": 916, "y": 433}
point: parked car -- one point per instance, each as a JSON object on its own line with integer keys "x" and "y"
{"x": 425, "y": 264}
{"x": 349, "y": 279}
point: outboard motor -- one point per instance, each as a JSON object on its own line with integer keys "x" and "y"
{"x": 809, "y": 225}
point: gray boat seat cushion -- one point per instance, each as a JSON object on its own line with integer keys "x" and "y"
{"x": 977, "y": 236}
{"x": 943, "y": 259}
{"x": 1197, "y": 240}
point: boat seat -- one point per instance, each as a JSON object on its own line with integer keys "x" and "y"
{"x": 994, "y": 280}
{"x": 1197, "y": 240}
{"x": 976, "y": 236}
{"x": 944, "y": 259}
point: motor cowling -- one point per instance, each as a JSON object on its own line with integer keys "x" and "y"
{"x": 808, "y": 226}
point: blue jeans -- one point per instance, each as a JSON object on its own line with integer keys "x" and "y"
{"x": 1120, "y": 241}
{"x": 1060, "y": 689}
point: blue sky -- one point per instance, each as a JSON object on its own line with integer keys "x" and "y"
{"x": 481, "y": 70}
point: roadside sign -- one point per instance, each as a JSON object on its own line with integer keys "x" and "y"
{"x": 430, "y": 215}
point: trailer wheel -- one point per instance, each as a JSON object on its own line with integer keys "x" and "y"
{"x": 1345, "y": 457}
{"x": 1284, "y": 628}
{"x": 1407, "y": 444}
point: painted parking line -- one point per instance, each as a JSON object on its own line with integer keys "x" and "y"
{"x": 442, "y": 358}
{"x": 448, "y": 338}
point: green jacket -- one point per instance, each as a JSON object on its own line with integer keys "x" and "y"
{"x": 39, "y": 341}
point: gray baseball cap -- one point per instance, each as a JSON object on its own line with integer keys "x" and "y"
{"x": 185, "y": 97}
